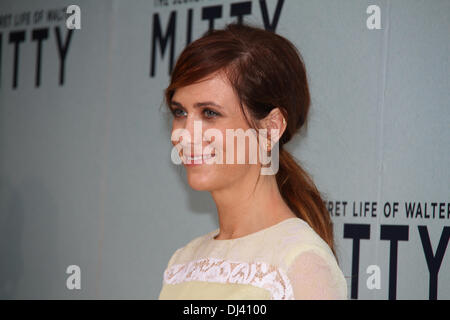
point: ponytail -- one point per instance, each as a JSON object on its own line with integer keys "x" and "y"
{"x": 301, "y": 195}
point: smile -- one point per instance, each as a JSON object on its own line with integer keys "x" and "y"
{"x": 196, "y": 160}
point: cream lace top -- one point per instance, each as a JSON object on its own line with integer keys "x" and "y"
{"x": 286, "y": 261}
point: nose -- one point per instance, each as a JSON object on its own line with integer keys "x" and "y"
{"x": 192, "y": 140}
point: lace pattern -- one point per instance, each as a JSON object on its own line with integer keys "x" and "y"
{"x": 258, "y": 274}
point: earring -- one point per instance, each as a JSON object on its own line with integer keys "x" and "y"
{"x": 284, "y": 121}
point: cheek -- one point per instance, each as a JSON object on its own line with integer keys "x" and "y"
{"x": 242, "y": 151}
{"x": 221, "y": 174}
{"x": 238, "y": 153}
{"x": 239, "y": 149}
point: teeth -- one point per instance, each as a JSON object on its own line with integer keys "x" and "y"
{"x": 197, "y": 158}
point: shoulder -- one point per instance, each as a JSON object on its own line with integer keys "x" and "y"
{"x": 296, "y": 237}
{"x": 316, "y": 276}
{"x": 310, "y": 264}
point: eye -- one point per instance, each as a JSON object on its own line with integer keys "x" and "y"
{"x": 178, "y": 113}
{"x": 210, "y": 114}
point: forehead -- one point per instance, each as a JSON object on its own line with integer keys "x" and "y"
{"x": 214, "y": 88}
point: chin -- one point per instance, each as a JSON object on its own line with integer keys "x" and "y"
{"x": 200, "y": 182}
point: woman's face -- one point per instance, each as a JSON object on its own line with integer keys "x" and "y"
{"x": 217, "y": 172}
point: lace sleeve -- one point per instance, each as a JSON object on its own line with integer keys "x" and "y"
{"x": 315, "y": 277}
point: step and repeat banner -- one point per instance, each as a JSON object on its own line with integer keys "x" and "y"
{"x": 91, "y": 205}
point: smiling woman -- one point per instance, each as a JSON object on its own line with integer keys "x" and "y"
{"x": 275, "y": 239}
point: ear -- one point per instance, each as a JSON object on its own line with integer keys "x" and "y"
{"x": 274, "y": 120}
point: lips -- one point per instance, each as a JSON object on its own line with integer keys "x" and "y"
{"x": 197, "y": 159}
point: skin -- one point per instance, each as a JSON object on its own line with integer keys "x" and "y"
{"x": 242, "y": 207}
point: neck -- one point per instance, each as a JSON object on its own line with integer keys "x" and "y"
{"x": 245, "y": 208}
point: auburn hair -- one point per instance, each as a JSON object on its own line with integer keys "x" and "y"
{"x": 265, "y": 71}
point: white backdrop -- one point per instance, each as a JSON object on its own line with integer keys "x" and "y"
{"x": 85, "y": 171}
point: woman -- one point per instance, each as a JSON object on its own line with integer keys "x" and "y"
{"x": 275, "y": 239}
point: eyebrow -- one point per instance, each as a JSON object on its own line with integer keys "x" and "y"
{"x": 198, "y": 104}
